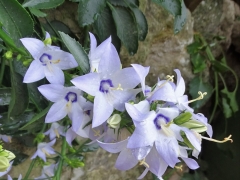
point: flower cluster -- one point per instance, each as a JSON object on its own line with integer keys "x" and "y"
{"x": 164, "y": 128}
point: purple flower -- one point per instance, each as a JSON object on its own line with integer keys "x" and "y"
{"x": 111, "y": 86}
{"x": 48, "y": 61}
{"x": 67, "y": 101}
{"x": 44, "y": 149}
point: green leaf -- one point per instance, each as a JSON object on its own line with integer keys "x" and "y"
{"x": 122, "y": 3}
{"x": 37, "y": 12}
{"x": 198, "y": 62}
{"x": 219, "y": 66}
{"x": 15, "y": 20}
{"x": 181, "y": 19}
{"x": 89, "y": 10}
{"x": 172, "y": 6}
{"x": 227, "y": 111}
{"x": 19, "y": 94}
{"x": 140, "y": 20}
{"x": 194, "y": 47}
{"x": 77, "y": 51}
{"x": 231, "y": 98}
{"x": 42, "y": 4}
{"x": 5, "y": 96}
{"x": 39, "y": 116}
{"x": 197, "y": 85}
{"x": 126, "y": 28}
{"x": 104, "y": 27}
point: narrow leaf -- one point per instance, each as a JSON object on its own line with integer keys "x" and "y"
{"x": 37, "y": 12}
{"x": 42, "y": 4}
{"x": 15, "y": 20}
{"x": 126, "y": 28}
{"x": 19, "y": 94}
{"x": 37, "y": 117}
{"x": 89, "y": 10}
{"x": 5, "y": 96}
{"x": 172, "y": 6}
{"x": 77, "y": 51}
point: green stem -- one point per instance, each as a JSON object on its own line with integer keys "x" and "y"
{"x": 63, "y": 152}
{"x": 2, "y": 70}
{"x": 208, "y": 50}
{"x": 11, "y": 43}
{"x": 30, "y": 169}
{"x": 216, "y": 97}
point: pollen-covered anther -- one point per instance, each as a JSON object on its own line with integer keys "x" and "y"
{"x": 201, "y": 96}
{"x": 179, "y": 167}
{"x": 169, "y": 78}
{"x": 217, "y": 141}
{"x": 55, "y": 61}
{"x": 118, "y": 88}
{"x": 142, "y": 162}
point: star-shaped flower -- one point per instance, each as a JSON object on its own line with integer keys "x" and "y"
{"x": 111, "y": 86}
{"x": 44, "y": 149}
{"x": 67, "y": 101}
{"x": 48, "y": 61}
{"x": 55, "y": 131}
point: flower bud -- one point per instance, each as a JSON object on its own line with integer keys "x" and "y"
{"x": 19, "y": 56}
{"x": 39, "y": 138}
{"x": 114, "y": 121}
{"x": 4, "y": 163}
{"x": 27, "y": 62}
{"x": 47, "y": 41}
{"x": 8, "y": 54}
{"x": 182, "y": 118}
{"x": 195, "y": 126}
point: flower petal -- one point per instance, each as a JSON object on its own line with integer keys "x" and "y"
{"x": 52, "y": 92}
{"x": 76, "y": 115}
{"x": 54, "y": 74}
{"x": 70, "y": 136}
{"x": 142, "y": 73}
{"x": 34, "y": 46}
{"x": 180, "y": 88}
{"x": 89, "y": 83}
{"x": 110, "y": 61}
{"x": 191, "y": 163}
{"x": 56, "y": 112}
{"x": 167, "y": 149}
{"x": 93, "y": 43}
{"x": 126, "y": 160}
{"x": 127, "y": 78}
{"x": 34, "y": 73}
{"x": 101, "y": 110}
{"x": 113, "y": 147}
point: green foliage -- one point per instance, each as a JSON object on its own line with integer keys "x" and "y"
{"x": 77, "y": 51}
{"x": 15, "y": 20}
{"x": 89, "y": 10}
{"x": 42, "y": 4}
{"x": 37, "y": 12}
{"x": 178, "y": 9}
{"x": 196, "y": 85}
{"x": 5, "y": 96}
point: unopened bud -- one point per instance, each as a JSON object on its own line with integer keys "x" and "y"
{"x": 4, "y": 163}
{"x": 182, "y": 118}
{"x": 8, "y": 54}
{"x": 19, "y": 56}
{"x": 39, "y": 138}
{"x": 90, "y": 98}
{"x": 114, "y": 121}
{"x": 195, "y": 125}
{"x": 47, "y": 41}
{"x": 27, "y": 62}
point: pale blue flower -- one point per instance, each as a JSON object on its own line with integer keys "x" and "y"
{"x": 67, "y": 101}
{"x": 111, "y": 86}
{"x": 47, "y": 172}
{"x": 10, "y": 178}
{"x": 49, "y": 61}
{"x": 55, "y": 131}
{"x": 44, "y": 149}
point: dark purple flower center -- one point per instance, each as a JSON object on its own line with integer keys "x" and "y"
{"x": 45, "y": 57}
{"x": 105, "y": 85}
{"x": 71, "y": 96}
{"x": 158, "y": 119}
